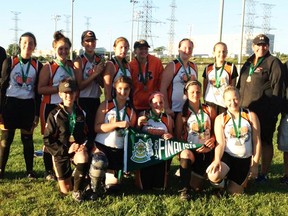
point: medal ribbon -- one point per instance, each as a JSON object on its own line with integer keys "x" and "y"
{"x": 252, "y": 67}
{"x": 118, "y": 117}
{"x": 218, "y": 77}
{"x": 72, "y": 120}
{"x": 123, "y": 69}
{"x": 200, "y": 122}
{"x": 152, "y": 115}
{"x": 66, "y": 68}
{"x": 24, "y": 75}
{"x": 189, "y": 70}
{"x": 143, "y": 75}
{"x": 237, "y": 129}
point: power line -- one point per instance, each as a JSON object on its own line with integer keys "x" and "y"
{"x": 172, "y": 28}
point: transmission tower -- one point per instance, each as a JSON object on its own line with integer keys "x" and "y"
{"x": 266, "y": 18}
{"x": 87, "y": 22}
{"x": 249, "y": 25}
{"x": 172, "y": 29}
{"x": 15, "y": 29}
{"x": 147, "y": 21}
{"x": 67, "y": 21}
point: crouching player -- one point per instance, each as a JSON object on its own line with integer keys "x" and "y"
{"x": 112, "y": 120}
{"x": 65, "y": 138}
{"x": 238, "y": 147}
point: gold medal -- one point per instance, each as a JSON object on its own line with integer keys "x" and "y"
{"x": 248, "y": 79}
{"x": 71, "y": 139}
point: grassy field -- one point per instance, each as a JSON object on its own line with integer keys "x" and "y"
{"x": 21, "y": 196}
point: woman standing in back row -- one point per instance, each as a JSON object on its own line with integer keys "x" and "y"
{"x": 20, "y": 101}
{"x": 117, "y": 66}
{"x": 175, "y": 76}
{"x": 50, "y": 77}
{"x": 88, "y": 72}
{"x": 217, "y": 76}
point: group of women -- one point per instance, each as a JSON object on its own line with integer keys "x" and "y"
{"x": 173, "y": 108}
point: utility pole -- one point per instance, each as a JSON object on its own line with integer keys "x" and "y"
{"x": 56, "y": 18}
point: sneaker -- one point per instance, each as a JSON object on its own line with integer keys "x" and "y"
{"x": 261, "y": 178}
{"x": 185, "y": 194}
{"x": 31, "y": 175}
{"x": 284, "y": 180}
{"x": 77, "y": 196}
{"x": 50, "y": 176}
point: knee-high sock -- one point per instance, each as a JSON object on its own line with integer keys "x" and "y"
{"x": 47, "y": 159}
{"x": 28, "y": 149}
{"x": 7, "y": 137}
{"x": 185, "y": 172}
{"x": 79, "y": 176}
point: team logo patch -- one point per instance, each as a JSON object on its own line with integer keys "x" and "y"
{"x": 142, "y": 151}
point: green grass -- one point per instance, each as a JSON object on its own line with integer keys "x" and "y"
{"x": 21, "y": 196}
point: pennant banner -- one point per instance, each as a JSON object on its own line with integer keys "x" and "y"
{"x": 143, "y": 149}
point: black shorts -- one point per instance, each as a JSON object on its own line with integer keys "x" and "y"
{"x": 18, "y": 113}
{"x": 115, "y": 156}
{"x": 202, "y": 161}
{"x": 62, "y": 167}
{"x": 239, "y": 168}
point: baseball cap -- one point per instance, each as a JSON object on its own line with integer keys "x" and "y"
{"x": 261, "y": 39}
{"x": 86, "y": 35}
{"x": 141, "y": 43}
{"x": 68, "y": 85}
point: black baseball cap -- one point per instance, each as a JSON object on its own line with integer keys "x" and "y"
{"x": 141, "y": 43}
{"x": 261, "y": 39}
{"x": 68, "y": 85}
{"x": 88, "y": 35}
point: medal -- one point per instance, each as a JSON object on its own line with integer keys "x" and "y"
{"x": 71, "y": 139}
{"x": 24, "y": 86}
{"x": 237, "y": 142}
{"x": 248, "y": 79}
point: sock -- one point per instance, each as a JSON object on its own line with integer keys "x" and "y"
{"x": 80, "y": 175}
{"x": 185, "y": 172}
{"x": 28, "y": 148}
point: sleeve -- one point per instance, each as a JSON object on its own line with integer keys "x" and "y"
{"x": 5, "y": 74}
{"x": 277, "y": 85}
{"x": 51, "y": 138}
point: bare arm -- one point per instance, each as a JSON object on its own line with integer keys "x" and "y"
{"x": 108, "y": 79}
{"x": 83, "y": 83}
{"x": 167, "y": 77}
{"x": 43, "y": 86}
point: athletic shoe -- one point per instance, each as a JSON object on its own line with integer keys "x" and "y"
{"x": 261, "y": 178}
{"x": 284, "y": 180}
{"x": 31, "y": 175}
{"x": 185, "y": 194}
{"x": 77, "y": 196}
{"x": 49, "y": 176}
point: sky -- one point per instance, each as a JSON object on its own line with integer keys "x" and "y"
{"x": 110, "y": 19}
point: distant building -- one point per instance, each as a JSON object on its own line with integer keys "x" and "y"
{"x": 203, "y": 44}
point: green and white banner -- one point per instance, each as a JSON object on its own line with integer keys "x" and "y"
{"x": 142, "y": 149}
